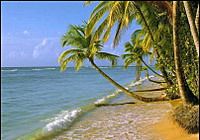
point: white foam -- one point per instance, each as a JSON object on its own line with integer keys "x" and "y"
{"x": 119, "y": 90}
{"x": 111, "y": 95}
{"x": 132, "y": 84}
{"x": 37, "y": 69}
{"x": 11, "y": 70}
{"x": 135, "y": 83}
{"x": 100, "y": 100}
{"x": 151, "y": 76}
{"x": 50, "y": 68}
{"x": 139, "y": 82}
{"x": 62, "y": 120}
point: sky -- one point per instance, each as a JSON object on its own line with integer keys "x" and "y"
{"x": 31, "y": 32}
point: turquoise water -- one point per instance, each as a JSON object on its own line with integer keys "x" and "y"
{"x": 43, "y": 99}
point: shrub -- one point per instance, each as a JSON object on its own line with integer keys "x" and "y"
{"x": 187, "y": 116}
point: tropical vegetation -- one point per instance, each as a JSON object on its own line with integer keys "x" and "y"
{"x": 169, "y": 35}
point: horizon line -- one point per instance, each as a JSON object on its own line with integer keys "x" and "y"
{"x": 59, "y": 66}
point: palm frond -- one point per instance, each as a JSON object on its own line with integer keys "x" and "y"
{"x": 63, "y": 64}
{"x": 128, "y": 62}
{"x": 108, "y": 56}
{"x": 100, "y": 29}
{"x": 93, "y": 20}
{"x": 79, "y": 61}
{"x": 101, "y": 5}
{"x": 67, "y": 52}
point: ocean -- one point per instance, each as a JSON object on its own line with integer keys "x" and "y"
{"x": 40, "y": 101}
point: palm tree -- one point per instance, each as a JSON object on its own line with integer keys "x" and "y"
{"x": 185, "y": 92}
{"x": 122, "y": 13}
{"x": 193, "y": 28}
{"x": 135, "y": 52}
{"x": 87, "y": 48}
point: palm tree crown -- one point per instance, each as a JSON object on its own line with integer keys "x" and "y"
{"x": 82, "y": 48}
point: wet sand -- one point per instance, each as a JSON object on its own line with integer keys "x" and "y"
{"x": 123, "y": 122}
{"x": 140, "y": 121}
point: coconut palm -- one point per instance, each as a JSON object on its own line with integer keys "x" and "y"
{"x": 185, "y": 92}
{"x": 122, "y": 13}
{"x": 87, "y": 48}
{"x": 135, "y": 52}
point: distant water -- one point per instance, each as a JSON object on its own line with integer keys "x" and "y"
{"x": 40, "y": 100}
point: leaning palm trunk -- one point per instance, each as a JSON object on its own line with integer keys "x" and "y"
{"x": 162, "y": 69}
{"x": 157, "y": 82}
{"x": 166, "y": 77}
{"x": 148, "y": 90}
{"x": 150, "y": 67}
{"x": 193, "y": 28}
{"x": 185, "y": 92}
{"x": 129, "y": 93}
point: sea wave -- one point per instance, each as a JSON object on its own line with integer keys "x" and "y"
{"x": 119, "y": 90}
{"x": 38, "y": 69}
{"x": 132, "y": 84}
{"x": 12, "y": 70}
{"x": 139, "y": 82}
{"x": 50, "y": 68}
{"x": 62, "y": 120}
{"x": 104, "y": 99}
{"x": 104, "y": 67}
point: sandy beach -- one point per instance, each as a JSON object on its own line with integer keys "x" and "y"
{"x": 140, "y": 121}
{"x": 169, "y": 130}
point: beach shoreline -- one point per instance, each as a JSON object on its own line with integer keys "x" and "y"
{"x": 140, "y": 121}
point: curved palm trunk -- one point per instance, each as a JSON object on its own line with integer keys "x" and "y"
{"x": 162, "y": 69}
{"x": 193, "y": 28}
{"x": 166, "y": 77}
{"x": 148, "y": 90}
{"x": 129, "y": 93}
{"x": 157, "y": 82}
{"x": 150, "y": 67}
{"x": 185, "y": 92}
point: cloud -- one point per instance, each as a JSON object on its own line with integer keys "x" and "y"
{"x": 25, "y": 32}
{"x": 37, "y": 49}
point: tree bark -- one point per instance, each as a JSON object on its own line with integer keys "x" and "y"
{"x": 185, "y": 92}
{"x": 157, "y": 82}
{"x": 138, "y": 72}
{"x": 149, "y": 90}
{"x": 193, "y": 28}
{"x": 197, "y": 19}
{"x": 129, "y": 93}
